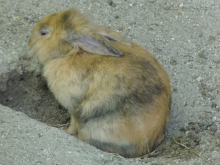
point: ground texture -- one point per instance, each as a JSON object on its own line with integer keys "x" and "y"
{"x": 184, "y": 35}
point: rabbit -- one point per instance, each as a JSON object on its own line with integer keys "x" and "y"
{"x": 117, "y": 93}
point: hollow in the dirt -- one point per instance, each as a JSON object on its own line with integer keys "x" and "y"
{"x": 28, "y": 93}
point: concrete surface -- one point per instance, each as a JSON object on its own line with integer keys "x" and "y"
{"x": 184, "y": 35}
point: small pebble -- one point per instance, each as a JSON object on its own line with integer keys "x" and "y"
{"x": 167, "y": 7}
{"x": 216, "y": 60}
{"x": 213, "y": 128}
{"x": 173, "y": 62}
{"x": 199, "y": 79}
{"x": 213, "y": 105}
{"x": 151, "y": 1}
{"x": 111, "y": 3}
{"x": 202, "y": 55}
{"x": 181, "y": 5}
{"x": 117, "y": 16}
{"x": 204, "y": 127}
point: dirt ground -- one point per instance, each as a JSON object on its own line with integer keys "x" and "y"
{"x": 184, "y": 35}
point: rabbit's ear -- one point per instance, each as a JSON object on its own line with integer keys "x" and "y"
{"x": 110, "y": 34}
{"x": 93, "y": 42}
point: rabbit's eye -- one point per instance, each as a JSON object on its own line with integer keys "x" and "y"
{"x": 44, "y": 30}
{"x": 43, "y": 33}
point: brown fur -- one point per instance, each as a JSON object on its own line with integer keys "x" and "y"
{"x": 117, "y": 93}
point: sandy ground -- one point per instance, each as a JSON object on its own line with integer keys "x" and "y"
{"x": 184, "y": 35}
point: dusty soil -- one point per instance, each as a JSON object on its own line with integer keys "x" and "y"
{"x": 29, "y": 94}
{"x": 183, "y": 35}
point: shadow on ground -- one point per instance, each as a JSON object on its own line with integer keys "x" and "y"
{"x": 28, "y": 93}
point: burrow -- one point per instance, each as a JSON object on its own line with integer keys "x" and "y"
{"x": 29, "y": 94}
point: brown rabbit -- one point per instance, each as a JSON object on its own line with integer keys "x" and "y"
{"x": 117, "y": 93}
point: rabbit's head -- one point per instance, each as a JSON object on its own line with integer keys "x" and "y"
{"x": 66, "y": 32}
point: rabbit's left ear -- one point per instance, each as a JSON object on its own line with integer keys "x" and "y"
{"x": 110, "y": 34}
{"x": 93, "y": 42}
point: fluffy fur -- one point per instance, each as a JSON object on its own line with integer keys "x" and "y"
{"x": 117, "y": 93}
